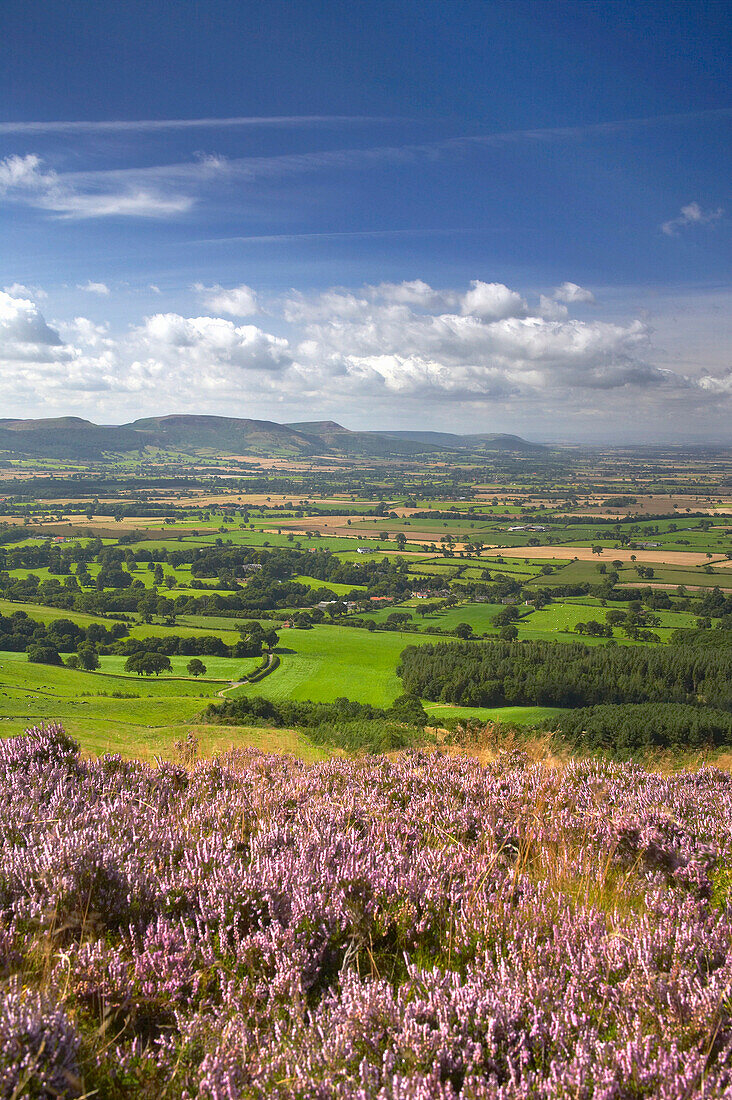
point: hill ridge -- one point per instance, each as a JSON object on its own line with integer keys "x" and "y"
{"x": 73, "y": 437}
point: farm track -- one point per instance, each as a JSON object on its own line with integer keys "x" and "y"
{"x": 241, "y": 683}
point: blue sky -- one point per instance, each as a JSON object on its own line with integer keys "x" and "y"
{"x": 483, "y": 216}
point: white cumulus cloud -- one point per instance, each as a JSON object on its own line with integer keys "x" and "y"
{"x": 494, "y": 345}
{"x": 20, "y": 290}
{"x": 24, "y": 333}
{"x": 492, "y": 301}
{"x": 236, "y": 301}
{"x": 572, "y": 294}
{"x": 414, "y": 293}
{"x": 94, "y": 288}
{"x": 691, "y": 214}
{"x": 551, "y": 310}
{"x": 373, "y": 347}
{"x": 204, "y": 342}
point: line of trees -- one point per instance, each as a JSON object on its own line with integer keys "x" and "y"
{"x": 19, "y": 631}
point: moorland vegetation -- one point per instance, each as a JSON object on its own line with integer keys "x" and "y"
{"x": 417, "y": 926}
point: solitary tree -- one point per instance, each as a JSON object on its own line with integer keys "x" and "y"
{"x": 147, "y": 663}
{"x": 88, "y": 658}
{"x": 196, "y": 667}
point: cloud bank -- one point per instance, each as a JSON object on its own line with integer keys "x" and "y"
{"x": 378, "y": 349}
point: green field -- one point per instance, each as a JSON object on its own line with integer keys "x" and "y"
{"x": 339, "y": 589}
{"x": 217, "y": 668}
{"x": 329, "y": 662}
{"x": 138, "y": 716}
{"x": 477, "y": 615}
{"x": 48, "y": 614}
{"x": 515, "y": 716}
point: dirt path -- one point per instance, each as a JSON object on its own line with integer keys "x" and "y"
{"x": 240, "y": 683}
{"x": 232, "y": 685}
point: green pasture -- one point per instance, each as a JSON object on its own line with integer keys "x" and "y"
{"x": 224, "y": 625}
{"x": 478, "y": 615}
{"x": 174, "y": 544}
{"x": 31, "y": 693}
{"x": 147, "y": 716}
{"x": 18, "y": 671}
{"x": 431, "y": 567}
{"x": 182, "y": 577}
{"x": 466, "y": 506}
{"x": 570, "y": 572}
{"x": 146, "y": 742}
{"x": 372, "y": 555}
{"x": 328, "y": 662}
{"x": 475, "y": 572}
{"x": 555, "y": 618}
{"x": 448, "y": 714}
{"x": 679, "y": 575}
{"x": 40, "y": 571}
{"x": 157, "y": 630}
{"x": 560, "y": 618}
{"x": 217, "y": 668}
{"x": 48, "y": 614}
{"x": 339, "y": 589}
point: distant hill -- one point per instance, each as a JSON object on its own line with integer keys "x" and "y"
{"x": 361, "y": 444}
{"x": 224, "y": 434}
{"x": 66, "y": 438}
{"x": 486, "y": 442}
{"x": 71, "y": 438}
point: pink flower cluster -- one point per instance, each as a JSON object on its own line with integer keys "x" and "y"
{"x": 418, "y": 928}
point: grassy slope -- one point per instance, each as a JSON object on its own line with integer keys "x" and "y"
{"x": 161, "y": 712}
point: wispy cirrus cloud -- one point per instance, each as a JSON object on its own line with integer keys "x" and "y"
{"x": 155, "y": 125}
{"x": 164, "y": 190}
{"x": 25, "y": 180}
